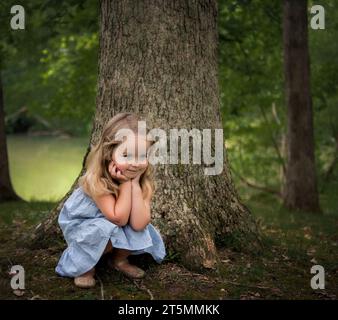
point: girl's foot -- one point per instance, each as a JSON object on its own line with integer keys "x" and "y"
{"x": 128, "y": 269}
{"x": 86, "y": 280}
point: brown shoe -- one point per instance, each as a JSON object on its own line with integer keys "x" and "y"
{"x": 128, "y": 269}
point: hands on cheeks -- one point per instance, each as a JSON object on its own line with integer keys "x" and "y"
{"x": 137, "y": 177}
{"x": 116, "y": 173}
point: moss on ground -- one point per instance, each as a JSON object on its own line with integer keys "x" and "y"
{"x": 292, "y": 243}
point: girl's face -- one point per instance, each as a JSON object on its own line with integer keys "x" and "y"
{"x": 126, "y": 156}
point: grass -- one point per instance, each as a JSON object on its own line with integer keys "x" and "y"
{"x": 292, "y": 243}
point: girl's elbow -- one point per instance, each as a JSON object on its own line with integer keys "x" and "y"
{"x": 140, "y": 227}
{"x": 119, "y": 221}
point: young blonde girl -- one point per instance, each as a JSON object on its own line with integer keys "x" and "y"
{"x": 109, "y": 211}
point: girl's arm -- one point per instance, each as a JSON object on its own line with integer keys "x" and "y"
{"x": 116, "y": 211}
{"x": 140, "y": 214}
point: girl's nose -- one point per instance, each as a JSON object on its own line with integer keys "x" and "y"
{"x": 136, "y": 164}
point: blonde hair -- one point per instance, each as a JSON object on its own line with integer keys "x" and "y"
{"x": 97, "y": 179}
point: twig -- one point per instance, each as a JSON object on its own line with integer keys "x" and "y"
{"x": 249, "y": 286}
{"x": 274, "y": 113}
{"x": 16, "y": 113}
{"x": 144, "y": 288}
{"x": 101, "y": 285}
{"x": 43, "y": 121}
{"x": 35, "y": 296}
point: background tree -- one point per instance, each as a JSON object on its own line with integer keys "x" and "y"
{"x": 6, "y": 189}
{"x": 301, "y": 182}
{"x": 159, "y": 59}
{"x": 54, "y": 40}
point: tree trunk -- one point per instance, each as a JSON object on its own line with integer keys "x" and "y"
{"x": 282, "y": 170}
{"x": 301, "y": 185}
{"x": 159, "y": 59}
{"x": 7, "y": 192}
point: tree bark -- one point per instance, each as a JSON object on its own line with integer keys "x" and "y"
{"x": 301, "y": 182}
{"x": 159, "y": 60}
{"x": 7, "y": 192}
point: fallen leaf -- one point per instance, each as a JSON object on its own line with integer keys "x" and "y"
{"x": 226, "y": 261}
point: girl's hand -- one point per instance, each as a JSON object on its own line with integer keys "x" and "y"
{"x": 116, "y": 173}
{"x": 137, "y": 178}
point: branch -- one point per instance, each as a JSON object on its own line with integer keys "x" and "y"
{"x": 274, "y": 142}
{"x": 252, "y": 185}
{"x": 333, "y": 164}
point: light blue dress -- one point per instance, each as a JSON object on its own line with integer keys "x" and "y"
{"x": 87, "y": 232}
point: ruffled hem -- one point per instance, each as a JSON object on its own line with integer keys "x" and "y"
{"x": 87, "y": 232}
{"x": 81, "y": 256}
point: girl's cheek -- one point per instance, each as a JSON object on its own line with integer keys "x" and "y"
{"x": 145, "y": 165}
{"x": 122, "y": 167}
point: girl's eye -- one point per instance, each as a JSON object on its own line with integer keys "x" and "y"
{"x": 129, "y": 157}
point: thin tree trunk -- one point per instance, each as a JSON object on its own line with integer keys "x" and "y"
{"x": 7, "y": 192}
{"x": 159, "y": 59}
{"x": 301, "y": 182}
{"x": 282, "y": 170}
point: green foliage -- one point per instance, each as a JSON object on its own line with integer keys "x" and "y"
{"x": 324, "y": 68}
{"x": 251, "y": 77}
{"x": 51, "y": 67}
{"x": 252, "y": 85}
{"x": 69, "y": 77}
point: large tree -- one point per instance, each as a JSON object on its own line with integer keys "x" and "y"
{"x": 159, "y": 59}
{"x": 300, "y": 190}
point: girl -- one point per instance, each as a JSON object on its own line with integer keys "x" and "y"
{"x": 109, "y": 211}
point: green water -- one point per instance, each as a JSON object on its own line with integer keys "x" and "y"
{"x": 44, "y": 168}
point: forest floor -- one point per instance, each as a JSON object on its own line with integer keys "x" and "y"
{"x": 292, "y": 243}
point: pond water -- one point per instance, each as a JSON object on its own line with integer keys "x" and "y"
{"x": 44, "y": 168}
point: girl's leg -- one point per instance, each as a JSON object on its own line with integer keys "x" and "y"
{"x": 108, "y": 248}
{"x": 87, "y": 280}
{"x": 120, "y": 254}
{"x": 120, "y": 262}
